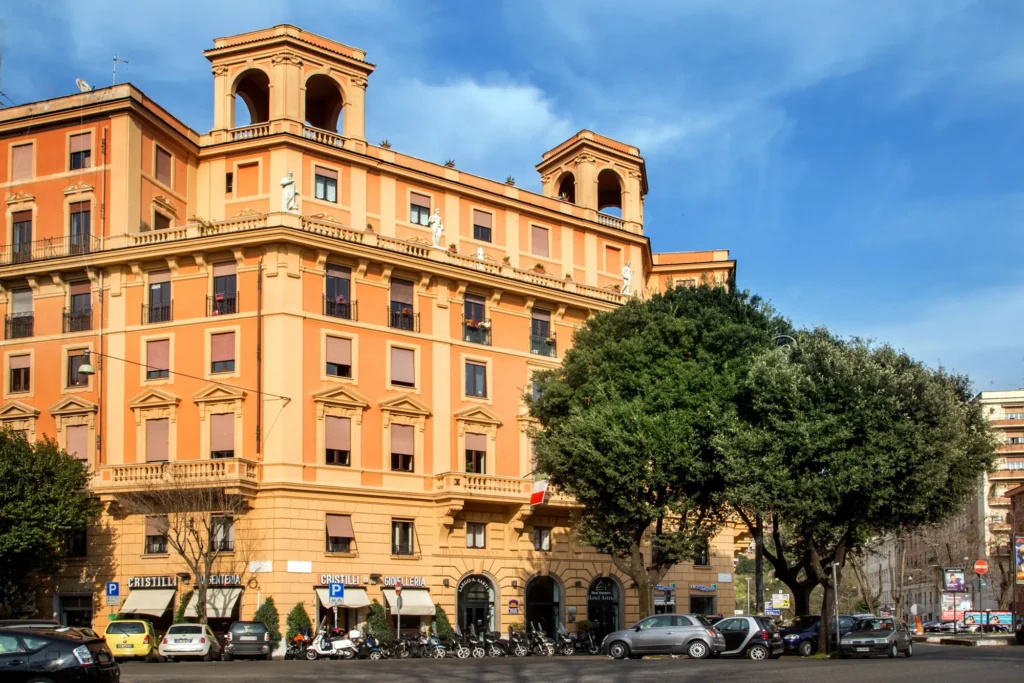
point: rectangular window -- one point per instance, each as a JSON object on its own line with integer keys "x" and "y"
{"x": 539, "y": 241}
{"x": 162, "y": 165}
{"x": 21, "y": 374}
{"x": 403, "y": 367}
{"x": 159, "y": 308}
{"x": 21, "y": 236}
{"x": 612, "y": 259}
{"x": 225, "y": 289}
{"x": 481, "y": 225}
{"x": 476, "y": 453}
{"x": 402, "y": 311}
{"x": 80, "y": 229}
{"x": 337, "y": 440}
{"x": 542, "y": 342}
{"x": 339, "y": 533}
{"x": 403, "y": 447}
{"x": 156, "y": 535}
{"x": 222, "y": 435}
{"x": 21, "y": 162}
{"x": 77, "y": 544}
{"x": 339, "y": 357}
{"x": 475, "y": 535}
{"x": 222, "y": 352}
{"x": 158, "y": 356}
{"x": 222, "y": 533}
{"x": 248, "y": 180}
{"x": 81, "y": 151}
{"x": 401, "y": 537}
{"x": 161, "y": 222}
{"x": 542, "y": 538}
{"x": 473, "y": 308}
{"x": 701, "y": 556}
{"x": 419, "y": 208}
{"x": 476, "y": 379}
{"x": 325, "y": 184}
{"x": 1014, "y": 416}
{"x": 157, "y": 440}
{"x": 78, "y": 441}
{"x": 229, "y": 182}
{"x": 338, "y": 292}
{"x": 75, "y": 360}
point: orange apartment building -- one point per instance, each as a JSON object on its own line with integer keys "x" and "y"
{"x": 269, "y": 314}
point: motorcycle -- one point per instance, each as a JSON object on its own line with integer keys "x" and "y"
{"x": 586, "y": 642}
{"x": 334, "y": 646}
{"x": 495, "y": 644}
{"x": 476, "y": 643}
{"x": 459, "y": 645}
{"x": 540, "y": 644}
{"x": 297, "y": 646}
{"x": 518, "y": 643}
{"x": 368, "y": 647}
{"x": 432, "y": 645}
{"x": 565, "y": 644}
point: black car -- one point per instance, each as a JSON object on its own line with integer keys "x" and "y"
{"x": 55, "y": 654}
{"x": 753, "y": 637}
{"x": 247, "y": 639}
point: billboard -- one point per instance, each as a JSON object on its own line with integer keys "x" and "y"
{"x": 991, "y": 618}
{"x": 1018, "y": 553}
{"x": 953, "y": 580}
{"x": 951, "y": 601}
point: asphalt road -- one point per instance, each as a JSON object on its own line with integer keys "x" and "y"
{"x": 932, "y": 663}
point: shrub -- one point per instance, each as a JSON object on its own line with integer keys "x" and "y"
{"x": 298, "y": 621}
{"x": 444, "y": 627}
{"x": 267, "y": 613}
{"x": 377, "y": 624}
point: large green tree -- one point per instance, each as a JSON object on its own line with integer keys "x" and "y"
{"x": 44, "y": 500}
{"x": 840, "y": 441}
{"x": 626, "y": 424}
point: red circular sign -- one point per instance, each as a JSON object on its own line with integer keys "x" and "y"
{"x": 398, "y": 587}
{"x": 980, "y": 567}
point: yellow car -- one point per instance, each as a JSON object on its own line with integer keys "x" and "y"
{"x": 131, "y": 639}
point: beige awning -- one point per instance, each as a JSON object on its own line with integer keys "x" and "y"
{"x": 151, "y": 601}
{"x": 354, "y": 597}
{"x": 416, "y": 602}
{"x": 220, "y": 603}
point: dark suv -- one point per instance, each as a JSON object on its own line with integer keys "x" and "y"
{"x": 247, "y": 639}
{"x": 800, "y": 635}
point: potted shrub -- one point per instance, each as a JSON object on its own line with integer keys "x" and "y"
{"x": 539, "y": 268}
{"x": 406, "y": 311}
{"x": 506, "y": 261}
{"x": 385, "y": 144}
{"x": 339, "y": 299}
{"x": 510, "y": 181}
{"x": 550, "y": 341}
{"x": 450, "y": 163}
{"x": 472, "y": 324}
{"x": 484, "y": 325}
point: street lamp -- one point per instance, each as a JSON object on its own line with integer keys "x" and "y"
{"x": 85, "y": 368}
{"x": 748, "y": 596}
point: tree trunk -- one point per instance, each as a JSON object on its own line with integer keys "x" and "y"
{"x": 759, "y": 566}
{"x": 825, "y": 630}
{"x": 635, "y": 568}
{"x": 801, "y": 597}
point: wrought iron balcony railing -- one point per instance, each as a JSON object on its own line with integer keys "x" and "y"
{"x": 476, "y": 331}
{"x": 340, "y": 308}
{"x": 544, "y": 345}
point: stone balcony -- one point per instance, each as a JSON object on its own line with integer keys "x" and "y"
{"x": 234, "y": 475}
{"x": 488, "y": 487}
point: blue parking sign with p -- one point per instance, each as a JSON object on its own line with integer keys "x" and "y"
{"x": 113, "y": 589}
{"x": 336, "y": 593}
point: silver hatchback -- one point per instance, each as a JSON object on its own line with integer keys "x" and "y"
{"x": 665, "y": 634}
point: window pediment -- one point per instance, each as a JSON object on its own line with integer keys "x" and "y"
{"x": 154, "y": 398}
{"x": 78, "y": 188}
{"x": 405, "y": 404}
{"x": 72, "y": 405}
{"x": 15, "y": 410}
{"x": 164, "y": 205}
{"x": 478, "y": 415}
{"x": 21, "y": 198}
{"x": 218, "y": 392}
{"x": 341, "y": 396}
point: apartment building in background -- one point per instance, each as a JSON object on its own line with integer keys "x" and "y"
{"x": 315, "y": 356}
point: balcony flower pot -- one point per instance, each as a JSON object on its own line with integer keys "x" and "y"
{"x": 339, "y": 299}
{"x": 549, "y": 341}
{"x": 485, "y": 325}
{"x": 539, "y": 268}
{"x": 472, "y": 324}
{"x": 406, "y": 311}
{"x": 506, "y": 261}
{"x": 453, "y": 249}
{"x": 218, "y": 297}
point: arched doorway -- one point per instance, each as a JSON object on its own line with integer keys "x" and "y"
{"x": 609, "y": 193}
{"x": 567, "y": 188}
{"x": 603, "y": 606}
{"x": 475, "y": 603}
{"x": 544, "y": 603}
{"x": 323, "y": 103}
{"x": 253, "y": 88}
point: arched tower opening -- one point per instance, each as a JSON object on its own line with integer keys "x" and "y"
{"x": 609, "y": 193}
{"x": 253, "y": 88}
{"x": 567, "y": 188}
{"x": 324, "y": 103}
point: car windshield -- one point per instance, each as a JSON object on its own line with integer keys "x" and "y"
{"x": 249, "y": 628}
{"x": 129, "y": 628}
{"x": 801, "y": 623}
{"x": 874, "y": 625}
{"x": 186, "y": 628}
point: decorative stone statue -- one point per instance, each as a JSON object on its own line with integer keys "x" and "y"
{"x": 627, "y": 279}
{"x": 480, "y": 253}
{"x": 289, "y": 197}
{"x": 436, "y": 226}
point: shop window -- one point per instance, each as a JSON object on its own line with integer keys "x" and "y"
{"x": 476, "y": 379}
{"x": 76, "y": 359}
{"x": 482, "y": 225}
{"x": 325, "y": 184}
{"x": 401, "y": 537}
{"x": 162, "y": 164}
{"x": 542, "y": 538}
{"x": 77, "y": 544}
{"x": 476, "y": 453}
{"x": 21, "y": 374}
{"x": 222, "y": 352}
{"x": 156, "y": 535}
{"x": 339, "y": 357}
{"x": 402, "y": 447}
{"x": 419, "y": 208}
{"x": 337, "y": 440}
{"x": 222, "y": 435}
{"x": 339, "y": 534}
{"x": 476, "y": 535}
{"x": 81, "y": 151}
{"x": 222, "y": 533}
{"x": 158, "y": 354}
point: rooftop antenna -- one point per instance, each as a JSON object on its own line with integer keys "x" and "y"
{"x": 82, "y": 85}
{"x": 113, "y": 78}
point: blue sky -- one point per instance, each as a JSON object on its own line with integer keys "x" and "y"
{"x": 862, "y": 159}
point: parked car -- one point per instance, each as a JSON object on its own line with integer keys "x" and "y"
{"x": 665, "y": 634}
{"x": 800, "y": 635}
{"x": 247, "y": 639}
{"x": 131, "y": 639}
{"x": 880, "y": 636}
{"x": 190, "y": 641}
{"x": 931, "y": 626}
{"x": 28, "y": 623}
{"x": 753, "y": 637}
{"x": 56, "y": 655}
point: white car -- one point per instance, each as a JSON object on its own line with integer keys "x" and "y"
{"x": 190, "y": 641}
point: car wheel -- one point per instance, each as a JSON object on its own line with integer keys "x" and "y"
{"x": 806, "y": 648}
{"x": 757, "y": 652}
{"x": 618, "y": 650}
{"x": 910, "y": 650}
{"x": 698, "y": 649}
{"x": 208, "y": 657}
{"x": 893, "y": 651}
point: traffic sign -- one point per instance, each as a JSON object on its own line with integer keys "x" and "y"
{"x": 981, "y": 567}
{"x": 398, "y": 602}
{"x": 113, "y": 589}
{"x": 780, "y": 600}
{"x": 336, "y": 593}
{"x": 398, "y": 587}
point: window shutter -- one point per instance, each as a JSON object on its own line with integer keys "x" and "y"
{"x": 158, "y": 354}
{"x": 476, "y": 442}
{"x": 78, "y": 288}
{"x": 78, "y": 441}
{"x": 481, "y": 218}
{"x": 338, "y": 433}
{"x": 403, "y": 365}
{"x": 81, "y": 142}
{"x": 223, "y": 269}
{"x": 326, "y": 172}
{"x": 163, "y": 165}
{"x": 21, "y": 300}
{"x": 339, "y": 271}
{"x": 339, "y": 526}
{"x": 540, "y": 314}
{"x": 222, "y": 432}
{"x": 339, "y": 351}
{"x": 156, "y": 440}
{"x": 156, "y": 526}
{"x": 402, "y": 441}
{"x": 401, "y": 292}
{"x": 539, "y": 241}
{"x": 157, "y": 277}
{"x": 419, "y": 199}
{"x": 222, "y": 347}
{"x": 22, "y": 163}
{"x": 21, "y": 217}
{"x": 20, "y": 362}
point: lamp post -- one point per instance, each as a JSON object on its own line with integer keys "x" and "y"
{"x": 748, "y": 596}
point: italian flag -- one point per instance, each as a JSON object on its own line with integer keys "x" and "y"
{"x": 540, "y": 490}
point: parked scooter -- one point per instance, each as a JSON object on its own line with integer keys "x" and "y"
{"x": 433, "y": 647}
{"x": 586, "y": 642}
{"x": 298, "y": 645}
{"x": 565, "y": 645}
{"x": 476, "y": 643}
{"x": 333, "y": 646}
{"x": 367, "y": 647}
{"x": 540, "y": 644}
{"x": 459, "y": 645}
{"x": 495, "y": 644}
{"x": 518, "y": 643}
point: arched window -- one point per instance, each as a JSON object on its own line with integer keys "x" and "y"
{"x": 253, "y": 88}
{"x": 609, "y": 193}
{"x": 323, "y": 103}
{"x": 567, "y": 188}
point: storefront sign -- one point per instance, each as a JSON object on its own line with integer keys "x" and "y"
{"x": 222, "y": 580}
{"x": 153, "y": 582}
{"x": 471, "y": 580}
{"x": 406, "y": 581}
{"x": 347, "y": 579}
{"x": 513, "y": 607}
{"x": 704, "y": 589}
